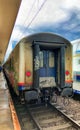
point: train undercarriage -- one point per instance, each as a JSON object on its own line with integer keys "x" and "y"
{"x": 44, "y": 95}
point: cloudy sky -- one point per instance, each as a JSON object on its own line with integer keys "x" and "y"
{"x": 57, "y": 16}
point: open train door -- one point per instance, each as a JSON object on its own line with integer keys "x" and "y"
{"x": 46, "y": 72}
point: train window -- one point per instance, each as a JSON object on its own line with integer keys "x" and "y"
{"x": 41, "y": 58}
{"x": 51, "y": 59}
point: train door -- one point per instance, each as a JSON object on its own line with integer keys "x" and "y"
{"x": 47, "y": 69}
{"x": 48, "y": 65}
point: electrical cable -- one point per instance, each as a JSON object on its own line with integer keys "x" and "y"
{"x": 34, "y": 16}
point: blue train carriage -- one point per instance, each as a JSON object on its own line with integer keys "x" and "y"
{"x": 39, "y": 65}
{"x": 76, "y": 66}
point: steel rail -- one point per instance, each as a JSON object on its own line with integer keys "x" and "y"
{"x": 75, "y": 124}
{"x": 33, "y": 118}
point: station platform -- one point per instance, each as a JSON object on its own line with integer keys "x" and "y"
{"x": 8, "y": 119}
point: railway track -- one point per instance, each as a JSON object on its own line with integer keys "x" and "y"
{"x": 43, "y": 116}
{"x": 26, "y": 122}
{"x": 69, "y": 108}
{"x": 49, "y": 118}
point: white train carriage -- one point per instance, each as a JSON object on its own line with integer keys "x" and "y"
{"x": 76, "y": 66}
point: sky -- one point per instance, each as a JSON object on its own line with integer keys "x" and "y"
{"x": 56, "y": 16}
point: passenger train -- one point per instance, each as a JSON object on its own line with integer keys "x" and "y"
{"x": 76, "y": 66}
{"x": 39, "y": 66}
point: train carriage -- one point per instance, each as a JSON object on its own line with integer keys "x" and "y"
{"x": 76, "y": 66}
{"x": 39, "y": 65}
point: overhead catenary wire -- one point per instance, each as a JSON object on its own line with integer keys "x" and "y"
{"x": 30, "y": 21}
{"x": 28, "y": 15}
{"x": 21, "y": 13}
{"x": 34, "y": 17}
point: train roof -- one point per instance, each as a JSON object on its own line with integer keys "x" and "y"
{"x": 47, "y": 37}
{"x": 43, "y": 37}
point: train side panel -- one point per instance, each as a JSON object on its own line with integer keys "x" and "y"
{"x": 76, "y": 73}
{"x": 21, "y": 79}
{"x": 68, "y": 64}
{"x": 28, "y": 65}
{"x": 12, "y": 68}
{"x": 25, "y": 66}
{"x": 15, "y": 64}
